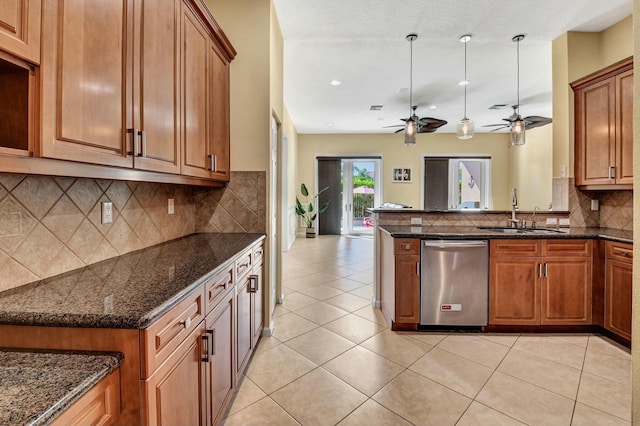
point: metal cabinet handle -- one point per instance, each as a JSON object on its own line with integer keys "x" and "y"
{"x": 186, "y": 323}
{"x": 212, "y": 333}
{"x": 624, "y": 253}
{"x": 255, "y": 283}
{"x": 418, "y": 268}
{"x": 540, "y": 270}
{"x": 546, "y": 269}
{"x": 143, "y": 143}
{"x": 205, "y": 342}
{"x": 612, "y": 173}
{"x": 213, "y": 163}
{"x": 134, "y": 145}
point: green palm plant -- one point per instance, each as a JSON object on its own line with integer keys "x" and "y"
{"x": 307, "y": 211}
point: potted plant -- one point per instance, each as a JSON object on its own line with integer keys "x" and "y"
{"x": 307, "y": 211}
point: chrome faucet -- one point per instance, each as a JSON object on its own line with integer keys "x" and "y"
{"x": 514, "y": 206}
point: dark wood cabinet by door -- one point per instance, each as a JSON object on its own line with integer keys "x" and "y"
{"x": 20, "y": 24}
{"x": 618, "y": 288}
{"x": 604, "y": 128}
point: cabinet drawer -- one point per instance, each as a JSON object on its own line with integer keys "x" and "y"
{"x": 163, "y": 336}
{"x": 243, "y": 264}
{"x": 620, "y": 251}
{"x": 258, "y": 254}
{"x": 511, "y": 248}
{"x": 571, "y": 248}
{"x": 406, "y": 246}
{"x": 216, "y": 287}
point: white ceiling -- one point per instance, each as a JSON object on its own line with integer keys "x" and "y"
{"x": 363, "y": 44}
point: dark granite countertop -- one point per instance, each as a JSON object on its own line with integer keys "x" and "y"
{"x": 36, "y": 387}
{"x": 468, "y": 232}
{"x": 128, "y": 291}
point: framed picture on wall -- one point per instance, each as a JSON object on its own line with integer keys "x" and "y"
{"x": 401, "y": 174}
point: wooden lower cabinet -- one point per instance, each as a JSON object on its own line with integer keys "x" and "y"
{"x": 220, "y": 371}
{"x": 250, "y": 298}
{"x": 99, "y": 406}
{"x": 174, "y": 394}
{"x": 407, "y": 289}
{"x": 531, "y": 287}
{"x": 618, "y": 289}
{"x": 514, "y": 290}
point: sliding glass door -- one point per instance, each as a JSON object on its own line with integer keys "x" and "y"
{"x": 360, "y": 191}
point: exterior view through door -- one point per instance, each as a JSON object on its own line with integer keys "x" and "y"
{"x": 353, "y": 188}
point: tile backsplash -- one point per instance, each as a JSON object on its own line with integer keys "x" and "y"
{"x": 50, "y": 225}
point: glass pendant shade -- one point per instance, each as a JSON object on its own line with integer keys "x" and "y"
{"x": 465, "y": 129}
{"x": 517, "y": 132}
{"x": 410, "y": 133}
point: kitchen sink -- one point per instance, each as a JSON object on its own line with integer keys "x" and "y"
{"x": 507, "y": 230}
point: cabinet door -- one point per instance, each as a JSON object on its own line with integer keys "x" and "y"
{"x": 221, "y": 373}
{"x": 257, "y": 305}
{"x": 220, "y": 135}
{"x": 514, "y": 291}
{"x": 566, "y": 291}
{"x": 243, "y": 323}
{"x": 624, "y": 128}
{"x": 86, "y": 80}
{"x": 195, "y": 95}
{"x": 407, "y": 289}
{"x": 175, "y": 393}
{"x": 595, "y": 133}
{"x": 20, "y": 28}
{"x": 618, "y": 290}
{"x": 156, "y": 86}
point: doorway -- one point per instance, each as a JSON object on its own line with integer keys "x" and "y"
{"x": 354, "y": 186}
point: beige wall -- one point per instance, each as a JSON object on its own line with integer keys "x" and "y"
{"x": 395, "y": 154}
{"x": 575, "y": 55}
{"x": 247, "y": 24}
{"x": 531, "y": 169}
{"x": 635, "y": 415}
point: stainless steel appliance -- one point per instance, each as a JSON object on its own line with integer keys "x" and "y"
{"x": 454, "y": 287}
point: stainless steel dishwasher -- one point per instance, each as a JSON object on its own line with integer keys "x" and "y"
{"x": 454, "y": 286}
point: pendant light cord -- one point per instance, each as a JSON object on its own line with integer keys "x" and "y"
{"x": 465, "y": 79}
{"x": 518, "y": 73}
{"x": 411, "y": 80}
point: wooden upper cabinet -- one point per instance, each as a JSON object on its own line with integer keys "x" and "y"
{"x": 20, "y": 22}
{"x": 604, "y": 127}
{"x": 86, "y": 81}
{"x": 156, "y": 86}
{"x": 205, "y": 99}
{"x": 195, "y": 98}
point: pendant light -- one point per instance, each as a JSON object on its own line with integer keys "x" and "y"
{"x": 410, "y": 129}
{"x": 518, "y": 125}
{"x": 465, "y": 126}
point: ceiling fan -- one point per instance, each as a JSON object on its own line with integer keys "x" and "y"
{"x": 423, "y": 125}
{"x": 530, "y": 122}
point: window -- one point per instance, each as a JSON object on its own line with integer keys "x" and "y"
{"x": 452, "y": 183}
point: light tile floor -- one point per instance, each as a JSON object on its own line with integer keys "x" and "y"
{"x": 332, "y": 360}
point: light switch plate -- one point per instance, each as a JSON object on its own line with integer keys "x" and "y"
{"x": 416, "y": 221}
{"x": 170, "y": 208}
{"x": 565, "y": 221}
{"x": 107, "y": 212}
{"x": 552, "y": 221}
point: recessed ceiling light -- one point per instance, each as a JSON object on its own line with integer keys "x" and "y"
{"x": 463, "y": 83}
{"x": 336, "y": 82}
{"x": 330, "y": 124}
{"x": 433, "y": 106}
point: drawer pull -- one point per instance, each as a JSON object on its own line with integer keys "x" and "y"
{"x": 186, "y": 323}
{"x": 212, "y": 333}
{"x": 254, "y": 284}
{"x": 243, "y": 265}
{"x": 205, "y": 343}
{"x": 624, "y": 253}
{"x": 223, "y": 285}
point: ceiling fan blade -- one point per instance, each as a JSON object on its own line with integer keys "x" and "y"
{"x": 534, "y": 121}
{"x": 498, "y": 128}
{"x": 399, "y": 130}
{"x": 395, "y": 125}
{"x": 494, "y": 125}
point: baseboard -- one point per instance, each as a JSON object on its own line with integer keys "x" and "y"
{"x": 375, "y": 303}
{"x": 268, "y": 331}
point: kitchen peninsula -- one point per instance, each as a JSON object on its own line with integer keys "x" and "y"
{"x": 588, "y": 288}
{"x": 174, "y": 311}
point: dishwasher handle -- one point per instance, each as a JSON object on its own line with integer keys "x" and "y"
{"x": 450, "y": 243}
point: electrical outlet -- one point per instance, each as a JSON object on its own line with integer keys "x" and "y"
{"x": 565, "y": 221}
{"x": 107, "y": 212}
{"x": 416, "y": 221}
{"x": 416, "y": 229}
{"x": 170, "y": 208}
{"x": 595, "y": 205}
{"x": 553, "y": 221}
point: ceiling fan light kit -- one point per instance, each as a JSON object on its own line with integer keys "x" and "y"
{"x": 465, "y": 126}
{"x": 410, "y": 127}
